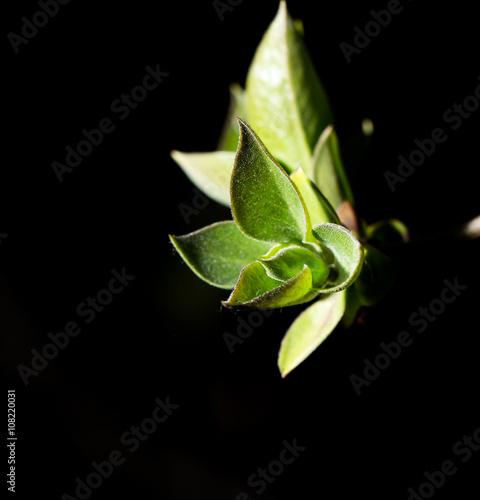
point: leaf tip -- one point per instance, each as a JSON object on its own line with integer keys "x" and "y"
{"x": 173, "y": 240}
{"x": 179, "y": 158}
{"x": 298, "y": 171}
{"x": 241, "y": 124}
{"x": 283, "y": 372}
{"x": 282, "y": 8}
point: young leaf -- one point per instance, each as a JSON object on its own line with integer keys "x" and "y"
{"x": 309, "y": 330}
{"x": 289, "y": 261}
{"x": 286, "y": 103}
{"x": 210, "y": 172}
{"x": 256, "y": 290}
{"x": 229, "y": 137}
{"x": 218, "y": 253}
{"x": 327, "y": 170}
{"x": 265, "y": 203}
{"x": 347, "y": 253}
{"x": 318, "y": 207}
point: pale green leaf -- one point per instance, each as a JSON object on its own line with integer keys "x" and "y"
{"x": 286, "y": 103}
{"x": 327, "y": 170}
{"x": 346, "y": 255}
{"x": 265, "y": 203}
{"x": 289, "y": 261}
{"x": 218, "y": 253}
{"x": 229, "y": 137}
{"x": 318, "y": 207}
{"x": 256, "y": 290}
{"x": 210, "y": 172}
{"x": 309, "y": 330}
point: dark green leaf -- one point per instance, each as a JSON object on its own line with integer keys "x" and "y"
{"x": 388, "y": 232}
{"x": 219, "y": 252}
{"x": 265, "y": 203}
{"x": 377, "y": 276}
{"x": 353, "y": 305}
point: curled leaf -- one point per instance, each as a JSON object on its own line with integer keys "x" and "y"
{"x": 346, "y": 255}
{"x": 289, "y": 261}
{"x": 256, "y": 290}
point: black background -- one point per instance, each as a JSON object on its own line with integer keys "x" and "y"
{"x": 162, "y": 336}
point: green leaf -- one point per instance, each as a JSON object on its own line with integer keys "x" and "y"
{"x": 327, "y": 170}
{"x": 353, "y": 305}
{"x": 286, "y": 103}
{"x": 309, "y": 330}
{"x": 229, "y": 137}
{"x": 210, "y": 172}
{"x": 256, "y": 290}
{"x": 346, "y": 255}
{"x": 298, "y": 23}
{"x": 318, "y": 207}
{"x": 289, "y": 261}
{"x": 265, "y": 203}
{"x": 377, "y": 276}
{"x": 218, "y": 253}
{"x": 388, "y": 232}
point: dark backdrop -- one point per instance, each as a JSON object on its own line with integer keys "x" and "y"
{"x": 162, "y": 335}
